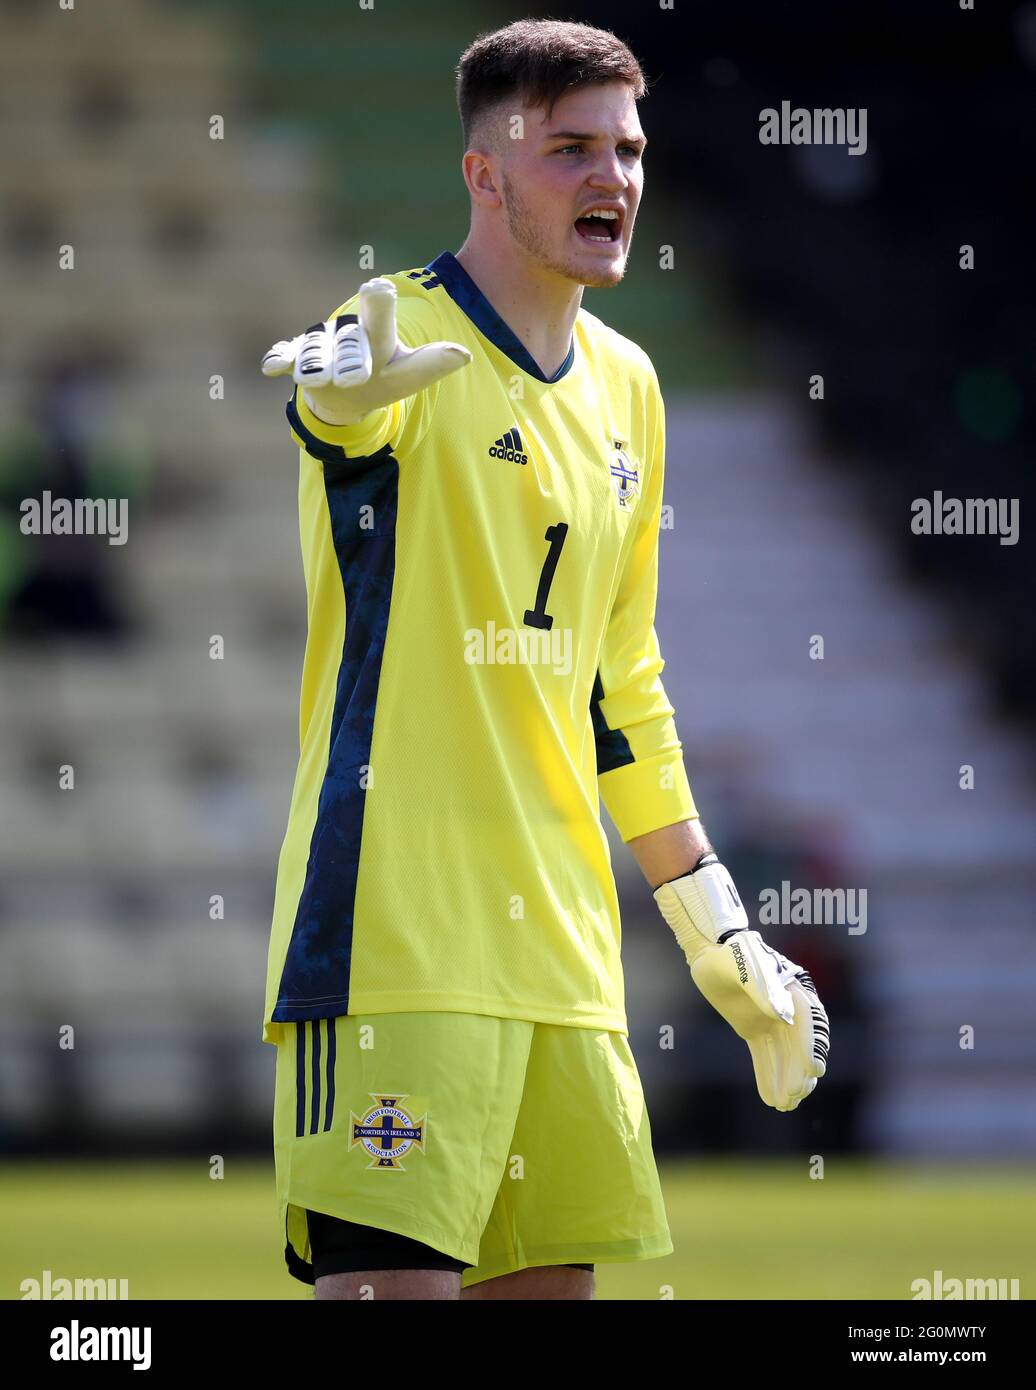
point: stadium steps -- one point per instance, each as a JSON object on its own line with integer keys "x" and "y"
{"x": 869, "y": 741}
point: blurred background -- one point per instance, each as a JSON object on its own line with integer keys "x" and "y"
{"x": 146, "y": 266}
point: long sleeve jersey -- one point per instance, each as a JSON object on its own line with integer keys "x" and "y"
{"x": 481, "y": 671}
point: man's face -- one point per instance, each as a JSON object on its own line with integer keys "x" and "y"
{"x": 586, "y": 155}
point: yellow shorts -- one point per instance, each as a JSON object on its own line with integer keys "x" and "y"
{"x": 503, "y": 1143}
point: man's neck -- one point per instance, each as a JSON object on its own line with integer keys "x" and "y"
{"x": 539, "y": 307}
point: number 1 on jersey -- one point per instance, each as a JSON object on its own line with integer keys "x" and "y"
{"x": 538, "y": 616}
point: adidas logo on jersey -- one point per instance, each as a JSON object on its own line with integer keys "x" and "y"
{"x": 509, "y": 446}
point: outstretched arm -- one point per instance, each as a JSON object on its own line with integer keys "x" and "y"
{"x": 356, "y": 365}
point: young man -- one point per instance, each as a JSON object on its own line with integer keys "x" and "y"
{"x": 457, "y": 1105}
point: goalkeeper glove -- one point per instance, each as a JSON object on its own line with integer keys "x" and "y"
{"x": 768, "y": 1000}
{"x": 357, "y": 364}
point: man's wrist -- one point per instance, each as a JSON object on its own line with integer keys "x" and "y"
{"x": 322, "y": 407}
{"x": 702, "y": 908}
{"x": 705, "y": 857}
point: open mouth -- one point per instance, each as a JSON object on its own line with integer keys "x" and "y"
{"x": 602, "y": 225}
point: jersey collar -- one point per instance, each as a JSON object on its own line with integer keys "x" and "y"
{"x": 459, "y": 285}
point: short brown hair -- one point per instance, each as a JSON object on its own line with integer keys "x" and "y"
{"x": 539, "y": 60}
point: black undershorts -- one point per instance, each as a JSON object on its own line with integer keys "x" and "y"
{"x": 344, "y": 1247}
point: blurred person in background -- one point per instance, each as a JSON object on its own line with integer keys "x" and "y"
{"x": 56, "y": 583}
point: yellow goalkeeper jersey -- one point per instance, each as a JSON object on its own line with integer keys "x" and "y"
{"x": 481, "y": 670}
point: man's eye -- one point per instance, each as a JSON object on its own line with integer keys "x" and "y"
{"x": 630, "y": 149}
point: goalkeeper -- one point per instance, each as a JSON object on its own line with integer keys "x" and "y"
{"x": 481, "y": 469}
{"x": 357, "y": 365}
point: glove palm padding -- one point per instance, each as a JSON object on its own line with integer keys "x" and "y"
{"x": 769, "y": 1001}
{"x": 788, "y": 1056}
{"x": 357, "y": 364}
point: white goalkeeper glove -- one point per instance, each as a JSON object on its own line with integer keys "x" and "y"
{"x": 768, "y": 1000}
{"x": 357, "y": 364}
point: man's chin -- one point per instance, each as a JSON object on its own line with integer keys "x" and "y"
{"x": 598, "y": 277}
{"x": 602, "y": 280}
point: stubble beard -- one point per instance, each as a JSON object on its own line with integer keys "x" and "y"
{"x": 528, "y": 234}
